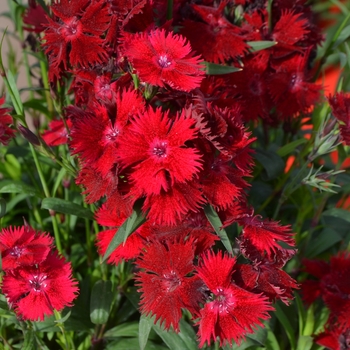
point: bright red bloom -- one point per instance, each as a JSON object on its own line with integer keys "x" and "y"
{"x": 35, "y": 291}
{"x": 164, "y": 59}
{"x": 263, "y": 235}
{"x": 289, "y": 30}
{"x": 216, "y": 39}
{"x": 340, "y": 104}
{"x": 172, "y": 207}
{"x": 272, "y": 282}
{"x": 23, "y": 246}
{"x": 57, "y": 133}
{"x": 165, "y": 284}
{"x": 76, "y": 34}
{"x": 95, "y": 136}
{"x": 6, "y": 133}
{"x": 232, "y": 311}
{"x": 156, "y": 147}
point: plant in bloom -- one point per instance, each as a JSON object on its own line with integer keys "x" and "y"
{"x": 174, "y": 149}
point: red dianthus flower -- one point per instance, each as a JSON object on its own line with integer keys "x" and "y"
{"x": 164, "y": 59}
{"x": 165, "y": 284}
{"x": 155, "y": 146}
{"x": 35, "y": 291}
{"x": 23, "y": 246}
{"x": 232, "y": 311}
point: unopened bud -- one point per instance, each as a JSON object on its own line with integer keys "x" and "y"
{"x": 28, "y": 135}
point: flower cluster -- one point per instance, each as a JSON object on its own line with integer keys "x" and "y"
{"x": 333, "y": 286}
{"x": 149, "y": 127}
{"x": 37, "y": 280}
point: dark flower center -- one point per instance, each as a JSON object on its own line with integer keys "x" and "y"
{"x": 38, "y": 282}
{"x": 160, "y": 149}
{"x": 164, "y": 61}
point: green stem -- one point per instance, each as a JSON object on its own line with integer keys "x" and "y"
{"x": 290, "y": 188}
{"x": 25, "y": 60}
{"x": 44, "y": 75}
{"x": 61, "y": 327}
{"x": 47, "y": 195}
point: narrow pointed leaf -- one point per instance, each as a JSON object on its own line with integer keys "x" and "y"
{"x": 145, "y": 326}
{"x": 260, "y": 45}
{"x": 218, "y": 69}
{"x": 66, "y": 207}
{"x": 130, "y": 225}
{"x": 215, "y": 221}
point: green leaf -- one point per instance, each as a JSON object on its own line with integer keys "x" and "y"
{"x": 36, "y": 104}
{"x": 128, "y": 329}
{"x": 133, "y": 344}
{"x": 170, "y": 338}
{"x": 322, "y": 241}
{"x": 215, "y": 221}
{"x": 145, "y": 326}
{"x": 130, "y": 225}
{"x": 309, "y": 321}
{"x": 347, "y": 49}
{"x": 64, "y": 318}
{"x": 58, "y": 180}
{"x": 188, "y": 335}
{"x": 338, "y": 213}
{"x": 305, "y": 342}
{"x": 14, "y": 94}
{"x": 259, "y": 336}
{"x": 290, "y": 147}
{"x": 2, "y": 207}
{"x": 100, "y": 302}
{"x": 11, "y": 186}
{"x": 344, "y": 35}
{"x": 62, "y": 206}
{"x": 260, "y": 45}
{"x": 282, "y": 317}
{"x": 218, "y": 69}
{"x": 271, "y": 340}
{"x": 271, "y": 162}
{"x": 29, "y": 340}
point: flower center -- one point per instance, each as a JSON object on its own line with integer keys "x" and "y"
{"x": 16, "y": 251}
{"x": 160, "y": 149}
{"x": 171, "y": 281}
{"x": 111, "y": 133}
{"x": 38, "y": 282}
{"x": 223, "y": 302}
{"x": 164, "y": 61}
{"x": 71, "y": 28}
